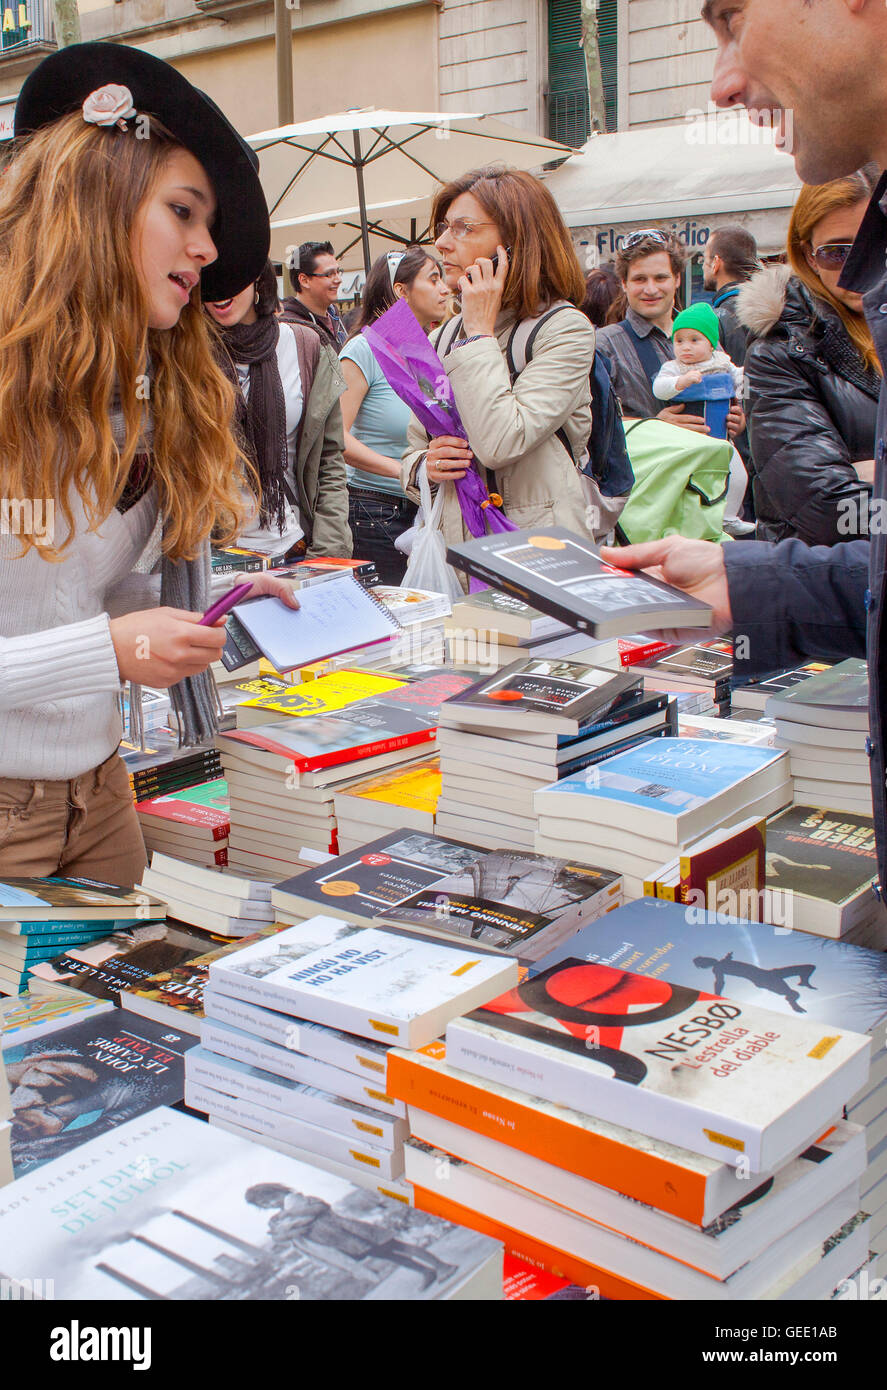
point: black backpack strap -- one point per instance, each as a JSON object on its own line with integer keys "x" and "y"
{"x": 646, "y": 353}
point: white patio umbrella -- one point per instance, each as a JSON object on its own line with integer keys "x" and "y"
{"x": 384, "y": 157}
{"x": 390, "y": 225}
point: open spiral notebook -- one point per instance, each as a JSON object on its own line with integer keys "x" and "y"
{"x": 331, "y": 618}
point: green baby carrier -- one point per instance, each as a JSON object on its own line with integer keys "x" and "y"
{"x": 680, "y": 483}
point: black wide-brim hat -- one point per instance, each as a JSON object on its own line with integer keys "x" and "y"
{"x": 241, "y": 230}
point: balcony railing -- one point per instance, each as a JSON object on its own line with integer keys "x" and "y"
{"x": 568, "y": 117}
{"x": 26, "y": 24}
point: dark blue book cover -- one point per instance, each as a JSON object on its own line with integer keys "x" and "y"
{"x": 751, "y": 962}
{"x": 81, "y": 1081}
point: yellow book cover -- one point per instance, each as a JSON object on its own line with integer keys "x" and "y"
{"x": 416, "y": 787}
{"x": 322, "y": 696}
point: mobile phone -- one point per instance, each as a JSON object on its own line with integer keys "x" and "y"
{"x": 495, "y": 259}
{"x": 222, "y": 605}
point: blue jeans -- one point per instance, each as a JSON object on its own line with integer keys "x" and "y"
{"x": 376, "y": 520}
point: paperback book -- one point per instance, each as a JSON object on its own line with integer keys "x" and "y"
{"x": 562, "y": 575}
{"x": 535, "y": 696}
{"x": 825, "y": 863}
{"x": 718, "y": 1076}
{"x": 209, "y": 1216}
{"x": 117, "y": 962}
{"x": 322, "y": 696}
{"x": 53, "y": 899}
{"x": 374, "y": 983}
{"x": 85, "y": 1079}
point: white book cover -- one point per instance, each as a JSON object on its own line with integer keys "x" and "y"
{"x": 378, "y": 984}
{"x": 269, "y": 1124}
{"x": 710, "y": 1074}
{"x": 227, "y": 1041}
{"x": 362, "y": 1056}
{"x": 303, "y": 1102}
{"x": 165, "y": 1207}
{"x": 764, "y": 1212}
{"x": 541, "y": 1220}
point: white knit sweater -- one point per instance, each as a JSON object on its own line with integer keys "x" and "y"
{"x": 58, "y": 672}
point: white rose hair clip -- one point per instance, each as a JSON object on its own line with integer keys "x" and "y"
{"x": 109, "y": 105}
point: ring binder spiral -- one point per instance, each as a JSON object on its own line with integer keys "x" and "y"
{"x": 331, "y": 618}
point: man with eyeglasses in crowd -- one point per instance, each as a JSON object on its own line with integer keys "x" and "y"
{"x": 315, "y": 272}
{"x": 650, "y": 264}
{"x": 786, "y": 602}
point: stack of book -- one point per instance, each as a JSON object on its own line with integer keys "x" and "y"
{"x": 646, "y": 1139}
{"x": 703, "y": 667}
{"x": 822, "y": 868}
{"x": 40, "y": 917}
{"x": 211, "y": 1216}
{"x": 536, "y": 721}
{"x": 823, "y": 724}
{"x": 283, "y": 778}
{"x": 223, "y": 903}
{"x": 192, "y": 824}
{"x": 775, "y": 968}
{"x": 411, "y": 606}
{"x": 165, "y": 767}
{"x": 722, "y": 872}
{"x": 306, "y": 573}
{"x": 296, "y": 1031}
{"x": 640, "y": 808}
{"x": 406, "y": 796}
{"x": 507, "y": 900}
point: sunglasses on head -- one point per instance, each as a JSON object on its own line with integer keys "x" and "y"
{"x": 831, "y": 255}
{"x": 645, "y": 234}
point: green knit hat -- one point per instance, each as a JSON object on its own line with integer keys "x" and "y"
{"x": 703, "y": 318}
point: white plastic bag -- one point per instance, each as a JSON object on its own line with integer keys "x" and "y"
{"x": 428, "y": 568}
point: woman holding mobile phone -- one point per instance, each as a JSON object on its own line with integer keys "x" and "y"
{"x": 508, "y": 256}
{"x": 128, "y": 195}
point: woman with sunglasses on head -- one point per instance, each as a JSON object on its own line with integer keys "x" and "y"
{"x": 289, "y": 422}
{"x": 128, "y": 194}
{"x": 812, "y": 376}
{"x": 508, "y": 257}
{"x": 375, "y": 418}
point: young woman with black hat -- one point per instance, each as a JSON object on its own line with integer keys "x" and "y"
{"x": 126, "y": 191}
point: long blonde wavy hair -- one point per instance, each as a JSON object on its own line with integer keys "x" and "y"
{"x": 816, "y": 201}
{"x": 74, "y": 331}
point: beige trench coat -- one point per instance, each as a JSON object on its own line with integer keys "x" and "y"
{"x": 512, "y": 430}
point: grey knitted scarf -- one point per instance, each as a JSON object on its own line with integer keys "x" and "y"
{"x": 183, "y": 584}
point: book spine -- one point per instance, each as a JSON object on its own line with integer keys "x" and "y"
{"x": 635, "y": 1172}
{"x": 630, "y": 656}
{"x": 597, "y": 1282}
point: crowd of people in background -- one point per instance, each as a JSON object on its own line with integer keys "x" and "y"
{"x": 338, "y": 463}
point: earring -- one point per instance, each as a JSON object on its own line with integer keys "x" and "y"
{"x": 256, "y": 299}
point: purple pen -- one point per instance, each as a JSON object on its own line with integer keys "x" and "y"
{"x": 226, "y": 602}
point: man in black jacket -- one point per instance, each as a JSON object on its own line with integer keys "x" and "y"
{"x": 807, "y": 66}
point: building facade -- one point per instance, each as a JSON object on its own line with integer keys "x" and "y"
{"x": 523, "y": 60}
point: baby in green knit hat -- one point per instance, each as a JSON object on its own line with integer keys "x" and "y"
{"x": 695, "y": 334}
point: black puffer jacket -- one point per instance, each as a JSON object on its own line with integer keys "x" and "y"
{"x": 812, "y": 407}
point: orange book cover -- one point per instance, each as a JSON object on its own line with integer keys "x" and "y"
{"x": 598, "y": 1283}
{"x": 658, "y": 1174}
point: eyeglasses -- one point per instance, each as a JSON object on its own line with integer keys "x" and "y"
{"x": 645, "y": 234}
{"x": 459, "y": 229}
{"x": 832, "y": 254}
{"x": 323, "y": 274}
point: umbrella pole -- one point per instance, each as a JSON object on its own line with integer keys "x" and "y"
{"x": 362, "y": 203}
